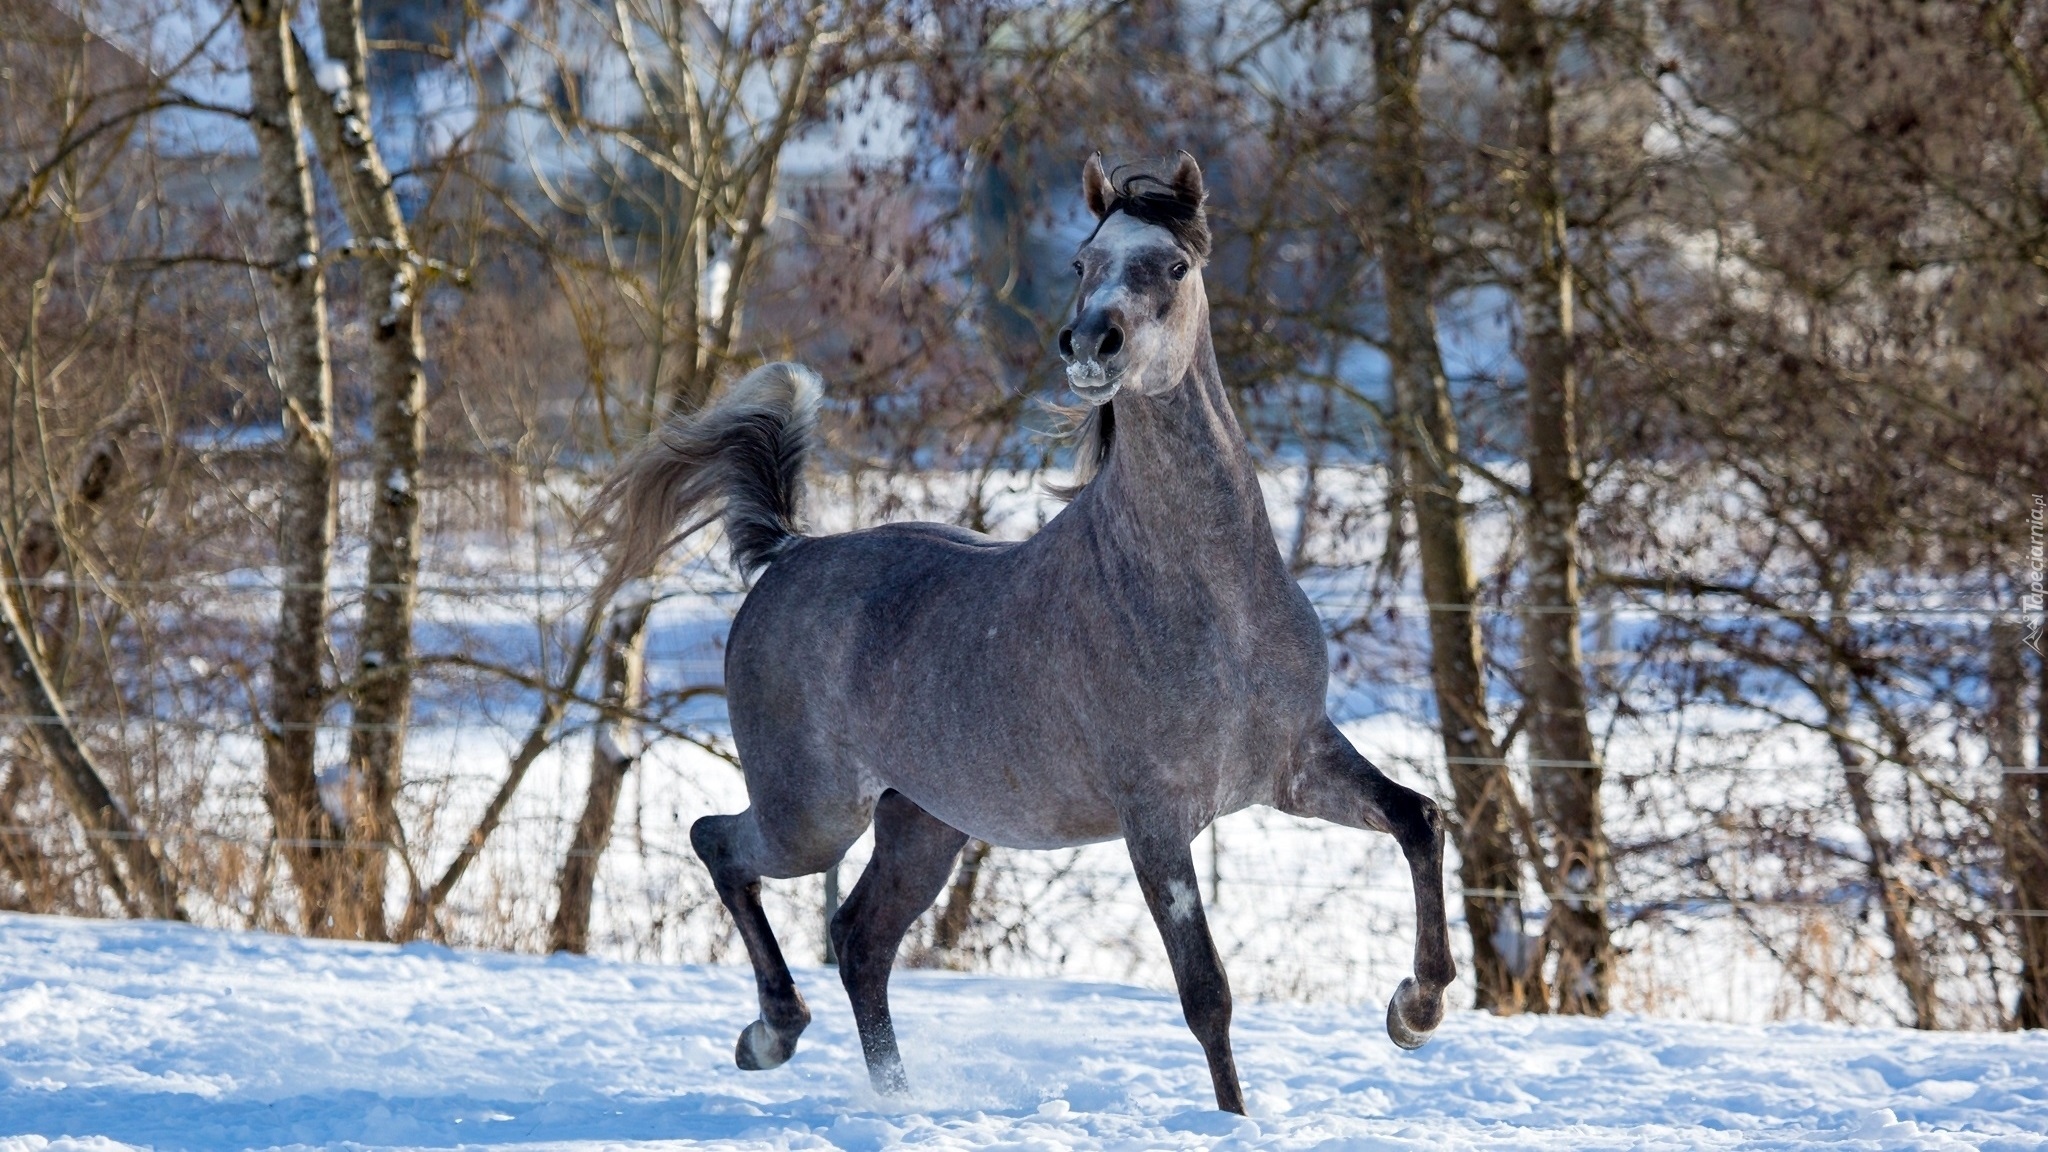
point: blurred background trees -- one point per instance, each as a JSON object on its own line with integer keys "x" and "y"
{"x": 1651, "y": 395}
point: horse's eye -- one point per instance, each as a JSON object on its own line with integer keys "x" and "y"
{"x": 1077, "y": 268}
{"x": 1179, "y": 269}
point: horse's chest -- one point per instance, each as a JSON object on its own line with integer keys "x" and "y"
{"x": 1224, "y": 669}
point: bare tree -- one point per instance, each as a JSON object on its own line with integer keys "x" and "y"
{"x": 393, "y": 283}
{"x": 621, "y": 684}
{"x": 147, "y": 888}
{"x": 300, "y": 369}
{"x": 2032, "y": 1010}
{"x": 1426, "y": 434}
{"x": 114, "y": 838}
{"x": 699, "y": 161}
{"x": 1565, "y": 774}
{"x": 2022, "y": 817}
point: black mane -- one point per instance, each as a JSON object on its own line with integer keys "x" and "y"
{"x": 1152, "y": 199}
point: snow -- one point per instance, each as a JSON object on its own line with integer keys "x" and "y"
{"x": 331, "y": 76}
{"x": 124, "y": 1034}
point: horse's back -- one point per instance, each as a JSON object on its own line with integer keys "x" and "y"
{"x": 831, "y": 607}
{"x": 826, "y": 584}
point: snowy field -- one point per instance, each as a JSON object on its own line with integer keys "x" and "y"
{"x": 117, "y": 1035}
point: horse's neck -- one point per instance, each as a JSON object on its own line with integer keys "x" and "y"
{"x": 1179, "y": 477}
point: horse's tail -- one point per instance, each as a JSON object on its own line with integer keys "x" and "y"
{"x": 740, "y": 458}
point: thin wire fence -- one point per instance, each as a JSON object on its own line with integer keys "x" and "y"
{"x": 1425, "y": 763}
{"x": 581, "y": 591}
{"x": 191, "y": 835}
{"x": 1035, "y": 911}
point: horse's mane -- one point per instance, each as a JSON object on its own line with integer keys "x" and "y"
{"x": 1149, "y": 198}
{"x": 1090, "y": 432}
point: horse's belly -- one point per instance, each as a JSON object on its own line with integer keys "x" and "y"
{"x": 1052, "y": 793}
{"x": 1016, "y": 808}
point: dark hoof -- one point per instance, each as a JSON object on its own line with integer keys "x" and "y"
{"x": 1412, "y": 1016}
{"x": 761, "y": 1047}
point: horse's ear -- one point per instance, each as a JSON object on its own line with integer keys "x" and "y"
{"x": 1095, "y": 187}
{"x": 1187, "y": 181}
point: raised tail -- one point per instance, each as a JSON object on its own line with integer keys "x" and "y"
{"x": 740, "y": 458}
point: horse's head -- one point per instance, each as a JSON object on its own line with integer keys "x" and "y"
{"x": 1141, "y": 309}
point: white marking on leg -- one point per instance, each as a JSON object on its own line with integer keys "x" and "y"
{"x": 1182, "y": 901}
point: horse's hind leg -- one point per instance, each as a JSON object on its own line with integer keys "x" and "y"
{"x": 737, "y": 854}
{"x": 1333, "y": 782}
{"x": 914, "y": 853}
{"x": 1166, "y": 875}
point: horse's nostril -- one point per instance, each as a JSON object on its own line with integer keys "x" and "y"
{"x": 1112, "y": 341}
{"x": 1067, "y": 342}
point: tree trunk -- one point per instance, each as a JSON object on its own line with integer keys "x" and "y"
{"x": 147, "y": 888}
{"x": 624, "y": 668}
{"x": 2022, "y": 817}
{"x": 1565, "y": 774}
{"x": 2034, "y": 788}
{"x": 306, "y": 831}
{"x": 1894, "y": 898}
{"x": 1427, "y": 437}
{"x": 382, "y": 692}
{"x": 686, "y": 385}
{"x": 958, "y": 911}
{"x": 704, "y": 327}
{"x": 20, "y": 856}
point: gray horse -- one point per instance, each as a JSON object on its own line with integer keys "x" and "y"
{"x": 1140, "y": 667}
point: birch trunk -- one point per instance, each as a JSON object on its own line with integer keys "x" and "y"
{"x": 624, "y": 668}
{"x": 300, "y": 365}
{"x": 1565, "y": 774}
{"x": 382, "y": 680}
{"x": 1428, "y": 440}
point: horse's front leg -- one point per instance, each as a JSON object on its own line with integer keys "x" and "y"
{"x": 1331, "y": 781}
{"x": 1166, "y": 874}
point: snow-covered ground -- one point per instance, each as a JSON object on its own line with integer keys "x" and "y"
{"x": 120, "y": 1035}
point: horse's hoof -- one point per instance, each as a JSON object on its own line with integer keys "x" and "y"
{"x": 1410, "y": 1021}
{"x": 761, "y": 1047}
{"x": 889, "y": 1079}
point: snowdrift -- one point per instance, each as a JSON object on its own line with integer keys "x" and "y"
{"x": 121, "y": 1034}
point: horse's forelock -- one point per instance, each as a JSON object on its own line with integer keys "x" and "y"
{"x": 1149, "y": 198}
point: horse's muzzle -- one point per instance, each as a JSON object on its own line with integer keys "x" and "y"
{"x": 1094, "y": 348}
{"x": 1092, "y": 382}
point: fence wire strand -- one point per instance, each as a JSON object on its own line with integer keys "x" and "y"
{"x": 191, "y": 835}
